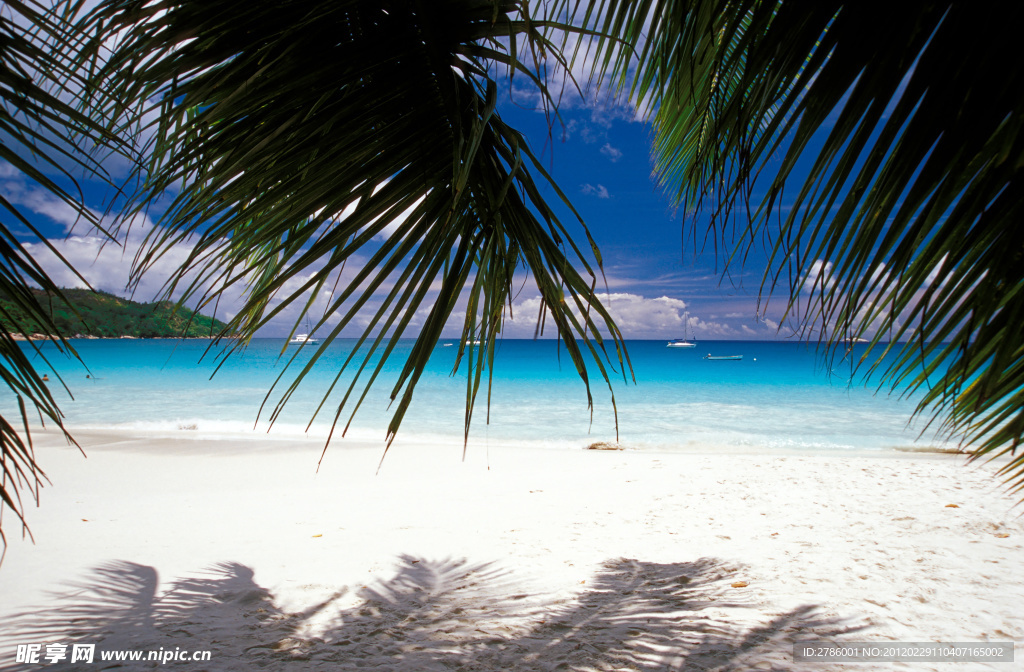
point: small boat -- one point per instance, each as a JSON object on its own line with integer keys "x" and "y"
{"x": 717, "y": 358}
{"x": 302, "y": 339}
{"x": 683, "y": 342}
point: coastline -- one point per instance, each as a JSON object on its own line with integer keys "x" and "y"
{"x": 512, "y": 558}
{"x": 780, "y": 401}
{"x": 90, "y": 337}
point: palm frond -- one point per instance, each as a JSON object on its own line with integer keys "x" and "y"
{"x": 41, "y": 133}
{"x": 910, "y": 117}
{"x": 303, "y": 135}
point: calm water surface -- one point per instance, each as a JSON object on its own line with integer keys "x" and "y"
{"x": 781, "y": 395}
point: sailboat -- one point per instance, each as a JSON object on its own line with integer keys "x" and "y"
{"x": 683, "y": 342}
{"x": 303, "y": 339}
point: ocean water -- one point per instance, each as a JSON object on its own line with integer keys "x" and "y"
{"x": 782, "y": 395}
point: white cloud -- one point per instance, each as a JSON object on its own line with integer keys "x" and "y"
{"x": 640, "y": 315}
{"x": 612, "y": 153}
{"x": 575, "y": 88}
{"x": 818, "y": 278}
{"x": 106, "y": 264}
{"x": 636, "y": 316}
{"x": 600, "y": 190}
{"x": 38, "y": 200}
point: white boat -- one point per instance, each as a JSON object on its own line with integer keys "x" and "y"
{"x": 683, "y": 342}
{"x": 302, "y": 339}
{"x": 721, "y": 358}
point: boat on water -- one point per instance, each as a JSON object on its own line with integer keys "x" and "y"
{"x": 683, "y": 342}
{"x": 302, "y": 339}
{"x": 723, "y": 358}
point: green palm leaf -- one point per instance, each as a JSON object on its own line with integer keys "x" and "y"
{"x": 300, "y": 132}
{"x": 40, "y": 135}
{"x": 910, "y": 117}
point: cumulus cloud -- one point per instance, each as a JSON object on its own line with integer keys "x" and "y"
{"x": 819, "y": 278}
{"x": 85, "y": 257}
{"x": 40, "y": 201}
{"x": 577, "y": 128}
{"x": 637, "y": 316}
{"x": 640, "y": 315}
{"x": 574, "y": 88}
{"x": 106, "y": 263}
{"x": 612, "y": 153}
{"x": 599, "y": 190}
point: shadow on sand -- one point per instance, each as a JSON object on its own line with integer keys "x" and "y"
{"x": 431, "y": 615}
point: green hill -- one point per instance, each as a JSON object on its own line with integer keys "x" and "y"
{"x": 107, "y": 316}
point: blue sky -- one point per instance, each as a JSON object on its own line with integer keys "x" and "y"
{"x": 601, "y": 158}
{"x": 599, "y": 153}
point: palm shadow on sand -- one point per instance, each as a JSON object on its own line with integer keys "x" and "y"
{"x": 431, "y": 615}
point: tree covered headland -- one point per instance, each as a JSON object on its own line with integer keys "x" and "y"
{"x": 82, "y": 312}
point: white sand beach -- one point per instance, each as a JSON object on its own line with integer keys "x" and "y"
{"x": 514, "y": 559}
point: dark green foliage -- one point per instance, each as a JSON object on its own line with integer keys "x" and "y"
{"x": 907, "y": 228}
{"x": 278, "y": 117}
{"x": 41, "y": 134}
{"x": 82, "y": 312}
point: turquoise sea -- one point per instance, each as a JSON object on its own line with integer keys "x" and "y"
{"x": 782, "y": 395}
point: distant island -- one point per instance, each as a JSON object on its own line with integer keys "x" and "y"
{"x": 94, "y": 314}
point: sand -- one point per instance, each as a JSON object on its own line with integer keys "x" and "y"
{"x": 514, "y": 559}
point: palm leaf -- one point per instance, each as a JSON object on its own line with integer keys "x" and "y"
{"x": 301, "y": 134}
{"x": 910, "y": 118}
{"x": 40, "y": 135}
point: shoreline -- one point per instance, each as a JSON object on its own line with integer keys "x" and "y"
{"x": 512, "y": 558}
{"x": 362, "y": 437}
{"x": 89, "y": 337}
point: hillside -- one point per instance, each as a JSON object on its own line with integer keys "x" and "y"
{"x": 103, "y": 315}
